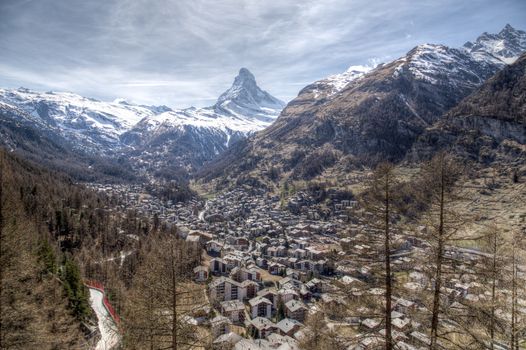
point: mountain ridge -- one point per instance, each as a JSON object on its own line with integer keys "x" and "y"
{"x": 121, "y": 128}
{"x": 377, "y": 116}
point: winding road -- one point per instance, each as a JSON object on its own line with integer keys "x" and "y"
{"x": 109, "y": 335}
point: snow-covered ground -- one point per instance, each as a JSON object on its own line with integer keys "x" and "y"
{"x": 108, "y": 330}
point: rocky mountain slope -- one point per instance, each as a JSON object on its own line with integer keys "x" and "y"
{"x": 153, "y": 135}
{"x": 377, "y": 116}
{"x": 91, "y": 125}
{"x": 489, "y": 123}
{"x": 40, "y": 142}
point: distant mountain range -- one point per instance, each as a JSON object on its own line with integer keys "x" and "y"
{"x": 373, "y": 115}
{"x": 152, "y": 136}
{"x": 433, "y": 97}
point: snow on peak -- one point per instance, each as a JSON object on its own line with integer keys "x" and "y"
{"x": 506, "y": 46}
{"x": 466, "y": 66}
{"x": 246, "y": 99}
{"x": 339, "y": 81}
{"x": 87, "y": 122}
{"x": 244, "y": 77}
{"x": 243, "y": 108}
{"x": 439, "y": 64}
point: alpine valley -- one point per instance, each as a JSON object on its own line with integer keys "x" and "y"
{"x": 381, "y": 208}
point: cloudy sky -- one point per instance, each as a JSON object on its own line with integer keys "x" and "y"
{"x": 186, "y": 52}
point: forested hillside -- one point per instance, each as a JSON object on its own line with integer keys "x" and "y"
{"x": 55, "y": 236}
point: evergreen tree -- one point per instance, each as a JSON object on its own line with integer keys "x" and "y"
{"x": 76, "y": 291}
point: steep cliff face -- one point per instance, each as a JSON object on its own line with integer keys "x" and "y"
{"x": 489, "y": 123}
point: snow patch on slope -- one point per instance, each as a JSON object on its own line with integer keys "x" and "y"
{"x": 340, "y": 81}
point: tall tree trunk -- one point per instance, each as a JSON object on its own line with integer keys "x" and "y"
{"x": 439, "y": 258}
{"x": 493, "y": 282}
{"x": 174, "y": 299}
{"x": 514, "y": 341}
{"x": 388, "y": 285}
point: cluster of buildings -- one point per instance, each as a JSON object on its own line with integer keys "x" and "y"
{"x": 266, "y": 265}
{"x": 136, "y": 197}
{"x": 269, "y": 265}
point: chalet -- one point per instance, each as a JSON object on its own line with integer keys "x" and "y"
{"x": 232, "y": 261}
{"x": 241, "y": 274}
{"x": 218, "y": 266}
{"x": 220, "y": 325}
{"x": 296, "y": 310}
{"x": 241, "y": 243}
{"x": 200, "y": 274}
{"x": 304, "y": 293}
{"x": 214, "y": 248}
{"x": 404, "y": 306}
{"x": 262, "y": 263}
{"x": 194, "y": 241}
{"x": 270, "y": 294}
{"x": 226, "y": 341}
{"x": 401, "y": 324}
{"x": 272, "y": 251}
{"x": 250, "y": 288}
{"x": 288, "y": 326}
{"x": 224, "y": 289}
{"x": 304, "y": 265}
{"x": 287, "y": 295}
{"x": 261, "y": 327}
{"x": 315, "y": 285}
{"x": 369, "y": 324}
{"x": 286, "y": 282}
{"x": 252, "y": 344}
{"x": 260, "y": 306}
{"x": 282, "y": 342}
{"x": 276, "y": 268}
{"x": 234, "y": 310}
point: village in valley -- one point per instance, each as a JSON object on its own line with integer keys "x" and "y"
{"x": 268, "y": 263}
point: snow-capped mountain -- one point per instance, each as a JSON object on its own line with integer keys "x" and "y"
{"x": 505, "y": 47}
{"x": 333, "y": 84}
{"x": 156, "y": 134}
{"x": 246, "y": 99}
{"x": 243, "y": 108}
{"x": 439, "y": 64}
{"x": 191, "y": 136}
{"x": 339, "y": 81}
{"x": 468, "y": 65}
{"x": 366, "y": 115}
{"x": 91, "y": 124}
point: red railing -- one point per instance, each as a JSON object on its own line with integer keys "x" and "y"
{"x": 100, "y": 287}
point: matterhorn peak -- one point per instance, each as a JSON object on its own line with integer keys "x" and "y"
{"x": 245, "y": 74}
{"x": 245, "y": 94}
{"x": 507, "y": 29}
{"x": 245, "y": 80}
